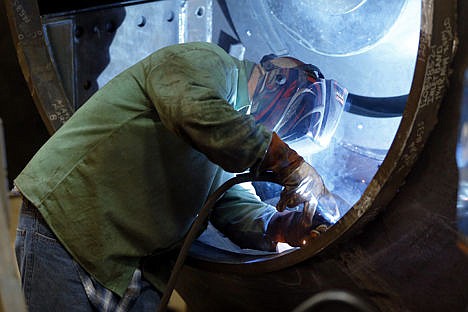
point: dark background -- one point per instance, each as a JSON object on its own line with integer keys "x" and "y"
{"x": 23, "y": 128}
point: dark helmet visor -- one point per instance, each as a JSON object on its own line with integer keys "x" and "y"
{"x": 301, "y": 108}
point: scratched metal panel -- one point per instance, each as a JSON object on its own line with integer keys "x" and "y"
{"x": 62, "y": 55}
{"x": 196, "y": 21}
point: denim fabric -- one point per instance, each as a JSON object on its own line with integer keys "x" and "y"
{"x": 53, "y": 281}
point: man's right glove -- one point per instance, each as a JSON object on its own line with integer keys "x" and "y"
{"x": 302, "y": 184}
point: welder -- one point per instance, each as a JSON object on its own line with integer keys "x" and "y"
{"x": 109, "y": 197}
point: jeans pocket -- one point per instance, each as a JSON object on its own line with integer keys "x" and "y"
{"x": 44, "y": 238}
{"x": 49, "y": 279}
{"x": 19, "y": 247}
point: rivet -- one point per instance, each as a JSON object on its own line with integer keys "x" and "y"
{"x": 110, "y": 27}
{"x": 141, "y": 21}
{"x": 200, "y": 11}
{"x": 78, "y": 31}
{"x": 87, "y": 85}
{"x": 170, "y": 16}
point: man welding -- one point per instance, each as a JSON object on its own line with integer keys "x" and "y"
{"x": 110, "y": 196}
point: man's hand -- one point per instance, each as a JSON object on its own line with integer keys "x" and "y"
{"x": 295, "y": 228}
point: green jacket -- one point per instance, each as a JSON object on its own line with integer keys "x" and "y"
{"x": 123, "y": 179}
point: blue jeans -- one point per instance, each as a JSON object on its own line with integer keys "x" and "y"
{"x": 52, "y": 280}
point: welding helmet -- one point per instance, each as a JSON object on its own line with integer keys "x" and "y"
{"x": 298, "y": 103}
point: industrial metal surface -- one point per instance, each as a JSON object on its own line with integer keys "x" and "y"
{"x": 91, "y": 47}
{"x": 351, "y": 41}
{"x": 67, "y": 52}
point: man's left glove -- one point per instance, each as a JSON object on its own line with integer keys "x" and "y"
{"x": 295, "y": 227}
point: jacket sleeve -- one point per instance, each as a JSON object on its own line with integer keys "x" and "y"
{"x": 243, "y": 218}
{"x": 189, "y": 88}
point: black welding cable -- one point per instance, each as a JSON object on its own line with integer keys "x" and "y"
{"x": 198, "y": 224}
{"x": 377, "y": 107}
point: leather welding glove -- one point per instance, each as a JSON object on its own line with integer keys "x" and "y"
{"x": 295, "y": 227}
{"x": 302, "y": 184}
